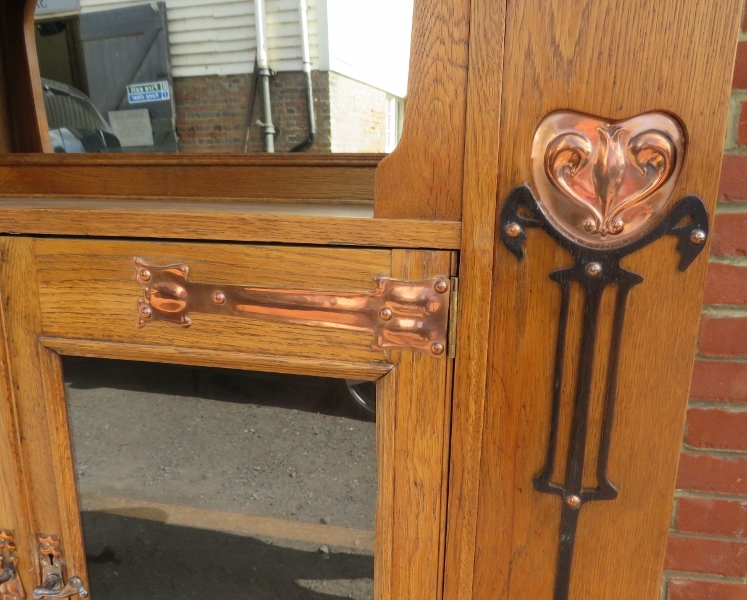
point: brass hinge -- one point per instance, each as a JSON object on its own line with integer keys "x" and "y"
{"x": 453, "y": 310}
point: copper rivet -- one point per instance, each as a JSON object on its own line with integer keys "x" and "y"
{"x": 145, "y": 275}
{"x": 385, "y": 313}
{"x": 441, "y": 287}
{"x": 593, "y": 269}
{"x": 219, "y": 298}
{"x": 573, "y": 501}
{"x": 437, "y": 348}
{"x": 513, "y": 230}
{"x": 617, "y": 226}
{"x": 698, "y": 237}
{"x": 146, "y": 312}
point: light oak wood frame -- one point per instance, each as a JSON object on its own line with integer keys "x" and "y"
{"x": 98, "y": 319}
{"x": 466, "y": 142}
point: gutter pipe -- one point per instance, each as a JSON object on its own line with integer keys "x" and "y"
{"x": 306, "y": 58}
{"x": 265, "y": 72}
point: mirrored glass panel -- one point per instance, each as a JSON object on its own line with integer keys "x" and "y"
{"x": 213, "y": 483}
{"x": 224, "y": 76}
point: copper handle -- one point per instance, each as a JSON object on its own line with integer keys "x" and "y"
{"x": 10, "y": 585}
{"x": 52, "y": 564}
{"x": 53, "y": 588}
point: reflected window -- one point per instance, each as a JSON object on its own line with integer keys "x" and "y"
{"x": 225, "y": 76}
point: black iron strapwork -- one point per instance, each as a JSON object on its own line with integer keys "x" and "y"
{"x": 593, "y": 269}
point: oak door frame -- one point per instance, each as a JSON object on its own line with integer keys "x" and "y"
{"x": 412, "y": 429}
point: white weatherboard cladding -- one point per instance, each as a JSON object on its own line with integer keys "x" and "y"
{"x": 218, "y": 37}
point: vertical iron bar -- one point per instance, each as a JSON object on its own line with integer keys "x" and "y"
{"x": 579, "y": 430}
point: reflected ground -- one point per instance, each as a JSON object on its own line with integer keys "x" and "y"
{"x": 198, "y": 482}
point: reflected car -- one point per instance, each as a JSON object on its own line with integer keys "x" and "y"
{"x": 74, "y": 123}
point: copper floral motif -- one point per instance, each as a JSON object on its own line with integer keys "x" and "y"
{"x": 606, "y": 182}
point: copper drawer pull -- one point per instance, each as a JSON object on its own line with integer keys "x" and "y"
{"x": 411, "y": 315}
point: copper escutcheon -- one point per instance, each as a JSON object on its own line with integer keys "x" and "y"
{"x": 604, "y": 182}
{"x": 411, "y": 315}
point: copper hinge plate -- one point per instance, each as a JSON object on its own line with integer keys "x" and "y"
{"x": 411, "y": 315}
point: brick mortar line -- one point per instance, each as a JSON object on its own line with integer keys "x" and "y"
{"x": 684, "y": 493}
{"x": 723, "y": 311}
{"x": 704, "y": 577}
{"x": 731, "y": 207}
{"x": 723, "y": 359}
{"x": 729, "y": 407}
{"x": 713, "y": 452}
{"x": 725, "y": 259}
{"x": 707, "y": 536}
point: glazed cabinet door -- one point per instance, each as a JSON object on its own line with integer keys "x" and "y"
{"x": 203, "y": 438}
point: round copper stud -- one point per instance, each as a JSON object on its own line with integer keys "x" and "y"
{"x": 589, "y": 226}
{"x": 437, "y": 349}
{"x": 617, "y": 226}
{"x": 441, "y": 286}
{"x": 385, "y": 313}
{"x": 594, "y": 269}
{"x": 698, "y": 237}
{"x": 573, "y": 501}
{"x": 219, "y": 298}
{"x": 145, "y": 275}
{"x": 513, "y": 230}
{"x": 146, "y": 312}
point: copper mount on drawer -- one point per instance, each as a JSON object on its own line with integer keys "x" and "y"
{"x": 412, "y": 315}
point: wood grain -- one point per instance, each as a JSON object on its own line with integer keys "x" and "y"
{"x": 422, "y": 178}
{"x": 205, "y": 357}
{"x": 15, "y": 503}
{"x": 386, "y": 459}
{"x": 35, "y": 390}
{"x": 287, "y": 223}
{"x": 422, "y": 408}
{"x": 229, "y": 522}
{"x": 27, "y": 116}
{"x": 476, "y": 291}
{"x": 87, "y": 291}
{"x": 185, "y": 181}
{"x": 615, "y": 60}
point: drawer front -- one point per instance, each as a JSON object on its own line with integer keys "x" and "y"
{"x": 88, "y": 295}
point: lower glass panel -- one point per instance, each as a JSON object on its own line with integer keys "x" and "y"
{"x": 214, "y": 483}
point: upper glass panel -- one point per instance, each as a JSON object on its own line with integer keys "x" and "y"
{"x": 197, "y": 76}
{"x": 210, "y": 483}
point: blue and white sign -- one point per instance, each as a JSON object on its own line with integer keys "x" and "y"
{"x": 148, "y": 92}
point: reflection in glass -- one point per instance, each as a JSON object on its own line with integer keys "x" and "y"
{"x": 227, "y": 76}
{"x": 204, "y": 482}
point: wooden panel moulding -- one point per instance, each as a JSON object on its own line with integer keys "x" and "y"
{"x": 287, "y": 223}
{"x": 237, "y": 182}
{"x": 422, "y": 178}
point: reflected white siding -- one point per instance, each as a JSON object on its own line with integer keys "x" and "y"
{"x": 217, "y": 37}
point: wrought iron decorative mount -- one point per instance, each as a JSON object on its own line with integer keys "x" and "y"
{"x": 604, "y": 191}
{"x": 410, "y": 315}
{"x": 10, "y": 585}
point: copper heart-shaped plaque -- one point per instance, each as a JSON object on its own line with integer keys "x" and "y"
{"x": 606, "y": 182}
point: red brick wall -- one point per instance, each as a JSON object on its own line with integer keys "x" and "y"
{"x": 211, "y": 112}
{"x": 707, "y": 553}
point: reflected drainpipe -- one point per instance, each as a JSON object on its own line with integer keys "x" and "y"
{"x": 268, "y": 128}
{"x": 306, "y": 57}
